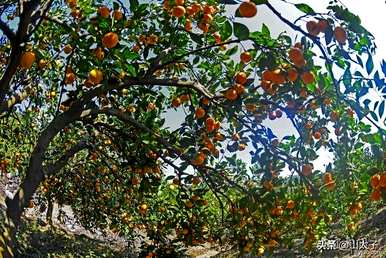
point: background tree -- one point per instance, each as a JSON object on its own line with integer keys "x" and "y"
{"x": 87, "y": 87}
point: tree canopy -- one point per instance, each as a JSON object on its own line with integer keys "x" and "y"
{"x": 89, "y": 91}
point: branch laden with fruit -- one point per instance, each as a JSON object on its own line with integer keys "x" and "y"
{"x": 96, "y": 90}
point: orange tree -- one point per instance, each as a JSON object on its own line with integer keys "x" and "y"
{"x": 87, "y": 90}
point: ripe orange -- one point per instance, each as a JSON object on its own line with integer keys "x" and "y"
{"x": 188, "y": 25}
{"x": 184, "y": 98}
{"x": 241, "y": 78}
{"x": 323, "y": 25}
{"x": 278, "y": 77}
{"x": 209, "y": 122}
{"x": 292, "y": 75}
{"x": 327, "y": 177}
{"x": 204, "y": 27}
{"x": 205, "y": 101}
{"x": 199, "y": 159}
{"x": 118, "y": 15}
{"x": 71, "y": 3}
{"x": 209, "y": 9}
{"x": 382, "y": 182}
{"x": 178, "y": 11}
{"x": 200, "y": 113}
{"x": 245, "y": 57}
{"x": 196, "y": 8}
{"x": 27, "y": 59}
{"x": 290, "y": 204}
{"x": 267, "y": 75}
{"x": 67, "y": 49}
{"x": 95, "y": 76}
{"x": 308, "y": 77}
{"x": 231, "y": 94}
{"x": 70, "y": 78}
{"x": 317, "y": 135}
{"x": 110, "y": 40}
{"x": 340, "y": 35}
{"x": 375, "y": 180}
{"x": 307, "y": 169}
{"x": 42, "y": 64}
{"x": 207, "y": 18}
{"x": 247, "y": 9}
{"x": 179, "y": 2}
{"x": 375, "y": 195}
{"x": 99, "y": 53}
{"x": 176, "y": 102}
{"x": 313, "y": 28}
{"x": 104, "y": 11}
{"x": 240, "y": 89}
{"x": 295, "y": 55}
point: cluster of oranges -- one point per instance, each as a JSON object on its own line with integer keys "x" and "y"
{"x": 203, "y": 13}
{"x": 238, "y": 88}
{"x": 377, "y": 182}
{"x": 329, "y": 182}
{"x": 316, "y": 27}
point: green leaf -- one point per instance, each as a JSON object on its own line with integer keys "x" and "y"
{"x": 305, "y": 8}
{"x": 226, "y": 30}
{"x": 265, "y": 31}
{"x": 240, "y": 30}
{"x": 133, "y": 5}
{"x": 369, "y": 64}
{"x": 131, "y": 70}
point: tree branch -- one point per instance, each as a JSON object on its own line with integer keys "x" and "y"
{"x": 60, "y": 163}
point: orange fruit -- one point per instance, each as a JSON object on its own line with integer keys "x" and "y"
{"x": 42, "y": 64}
{"x": 70, "y": 78}
{"x": 95, "y": 76}
{"x": 290, "y": 204}
{"x": 209, "y": 122}
{"x": 104, "y": 11}
{"x": 267, "y": 75}
{"x": 200, "y": 113}
{"x": 207, "y": 18}
{"x": 382, "y": 182}
{"x": 176, "y": 102}
{"x": 67, "y": 49}
{"x": 241, "y": 78}
{"x": 308, "y": 77}
{"x": 323, "y": 25}
{"x": 340, "y": 35}
{"x": 209, "y": 9}
{"x": 375, "y": 195}
{"x": 375, "y": 180}
{"x": 178, "y": 11}
{"x": 327, "y": 177}
{"x": 295, "y": 55}
{"x": 199, "y": 159}
{"x": 292, "y": 75}
{"x": 278, "y": 77}
{"x": 231, "y": 94}
{"x": 118, "y": 15}
{"x": 247, "y": 9}
{"x": 205, "y": 101}
{"x": 110, "y": 40}
{"x": 245, "y": 57}
{"x": 27, "y": 59}
{"x": 307, "y": 169}
{"x": 179, "y": 2}
{"x": 184, "y": 98}
{"x": 317, "y": 135}
{"x": 204, "y": 27}
{"x": 188, "y": 25}
{"x": 99, "y": 53}
{"x": 313, "y": 28}
{"x": 331, "y": 185}
{"x": 196, "y": 8}
{"x": 240, "y": 89}
{"x": 71, "y": 3}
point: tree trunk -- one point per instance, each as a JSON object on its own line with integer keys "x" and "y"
{"x": 50, "y": 210}
{"x": 8, "y": 231}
